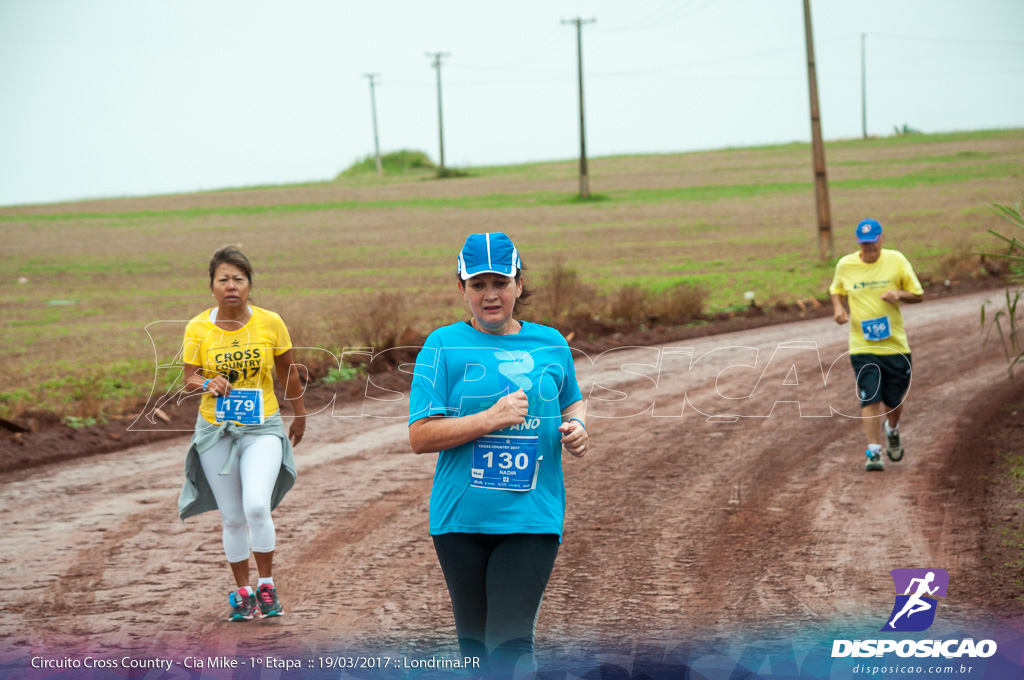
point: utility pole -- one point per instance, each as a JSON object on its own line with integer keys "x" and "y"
{"x": 373, "y": 109}
{"x": 818, "y": 148}
{"x": 438, "y": 56}
{"x": 584, "y": 180}
{"x": 863, "y": 89}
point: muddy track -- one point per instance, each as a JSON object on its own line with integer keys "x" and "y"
{"x": 675, "y": 525}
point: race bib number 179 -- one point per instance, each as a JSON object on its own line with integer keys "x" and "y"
{"x": 243, "y": 405}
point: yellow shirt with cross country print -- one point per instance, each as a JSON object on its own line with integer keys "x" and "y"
{"x": 863, "y": 285}
{"x": 244, "y": 356}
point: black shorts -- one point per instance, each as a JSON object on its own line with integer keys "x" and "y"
{"x": 882, "y": 378}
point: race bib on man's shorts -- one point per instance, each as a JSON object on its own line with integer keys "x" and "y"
{"x": 505, "y": 462}
{"x": 876, "y": 329}
{"x": 243, "y": 405}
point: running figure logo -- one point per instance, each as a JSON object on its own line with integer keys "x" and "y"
{"x": 916, "y": 593}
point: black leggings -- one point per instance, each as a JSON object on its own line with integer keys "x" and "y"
{"x": 496, "y": 582}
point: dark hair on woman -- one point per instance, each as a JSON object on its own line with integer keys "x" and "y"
{"x": 233, "y": 256}
{"x": 522, "y": 300}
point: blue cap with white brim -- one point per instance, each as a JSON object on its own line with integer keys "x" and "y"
{"x": 492, "y": 252}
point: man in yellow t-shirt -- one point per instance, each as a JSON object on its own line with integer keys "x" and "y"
{"x": 874, "y": 281}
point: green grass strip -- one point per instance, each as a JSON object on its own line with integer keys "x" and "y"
{"x": 704, "y": 193}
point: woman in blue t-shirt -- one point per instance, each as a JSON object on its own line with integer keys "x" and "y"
{"x": 498, "y": 399}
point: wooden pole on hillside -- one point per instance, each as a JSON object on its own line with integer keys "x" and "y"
{"x": 863, "y": 87}
{"x": 438, "y": 56}
{"x": 818, "y": 148}
{"x": 584, "y": 178}
{"x": 373, "y": 109}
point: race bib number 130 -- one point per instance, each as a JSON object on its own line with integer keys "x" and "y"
{"x": 243, "y": 405}
{"x": 504, "y": 462}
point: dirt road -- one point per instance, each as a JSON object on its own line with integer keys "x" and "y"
{"x": 675, "y": 525}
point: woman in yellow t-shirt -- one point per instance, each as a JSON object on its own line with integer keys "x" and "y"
{"x": 240, "y": 460}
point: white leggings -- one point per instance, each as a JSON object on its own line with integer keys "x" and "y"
{"x": 243, "y": 495}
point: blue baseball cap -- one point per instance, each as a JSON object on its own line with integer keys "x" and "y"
{"x": 869, "y": 231}
{"x": 488, "y": 253}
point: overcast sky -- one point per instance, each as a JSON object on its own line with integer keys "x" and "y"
{"x": 125, "y": 97}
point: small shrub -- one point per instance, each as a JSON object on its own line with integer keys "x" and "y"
{"x": 14, "y": 401}
{"x": 680, "y": 303}
{"x": 562, "y": 295}
{"x": 957, "y": 265}
{"x": 628, "y": 303}
{"x": 380, "y": 320}
{"x": 343, "y": 374}
{"x": 451, "y": 173}
{"x": 392, "y": 163}
{"x": 87, "y": 396}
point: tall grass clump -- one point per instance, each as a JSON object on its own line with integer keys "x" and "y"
{"x": 1006, "y": 322}
{"x": 959, "y": 263}
{"x": 381, "y": 321}
{"x": 681, "y": 303}
{"x": 628, "y": 303}
{"x": 563, "y": 296}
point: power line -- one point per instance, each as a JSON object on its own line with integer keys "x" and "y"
{"x": 481, "y": 67}
{"x": 651, "y": 18}
{"x": 863, "y": 65}
{"x": 487, "y": 83}
{"x": 642, "y": 71}
{"x": 667, "y": 68}
{"x": 692, "y": 64}
{"x": 683, "y": 12}
{"x": 937, "y": 74}
{"x": 706, "y": 62}
{"x": 961, "y": 41}
{"x": 547, "y": 43}
{"x": 658, "y": 18}
{"x": 709, "y": 77}
{"x": 964, "y": 74}
{"x": 554, "y": 76}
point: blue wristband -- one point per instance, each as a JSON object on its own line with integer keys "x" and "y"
{"x": 205, "y": 383}
{"x": 582, "y": 424}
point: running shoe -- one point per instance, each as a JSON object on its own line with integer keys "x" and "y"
{"x": 894, "y": 448}
{"x": 243, "y": 605}
{"x": 874, "y": 461}
{"x": 269, "y": 604}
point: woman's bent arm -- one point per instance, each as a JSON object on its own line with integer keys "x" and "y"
{"x": 437, "y": 433}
